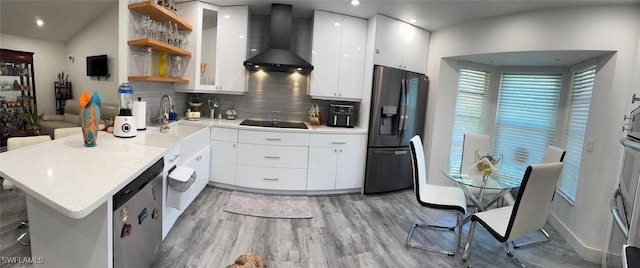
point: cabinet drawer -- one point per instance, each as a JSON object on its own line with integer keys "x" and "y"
{"x": 272, "y": 178}
{"x": 334, "y": 140}
{"x": 224, "y": 134}
{"x": 273, "y": 138}
{"x": 273, "y": 156}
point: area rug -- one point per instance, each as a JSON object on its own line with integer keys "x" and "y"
{"x": 269, "y": 206}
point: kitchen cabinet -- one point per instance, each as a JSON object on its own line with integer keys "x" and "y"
{"x": 224, "y": 152}
{"x": 200, "y": 163}
{"x": 400, "y": 45}
{"x": 220, "y": 46}
{"x": 338, "y": 56}
{"x": 272, "y": 160}
{"x": 336, "y": 161}
{"x": 17, "y": 90}
{"x": 159, "y": 14}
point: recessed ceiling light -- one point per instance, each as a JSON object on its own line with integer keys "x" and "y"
{"x": 412, "y": 21}
{"x": 355, "y": 2}
{"x": 336, "y": 23}
{"x": 227, "y": 16}
{"x": 39, "y": 22}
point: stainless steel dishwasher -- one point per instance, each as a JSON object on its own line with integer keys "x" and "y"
{"x": 137, "y": 219}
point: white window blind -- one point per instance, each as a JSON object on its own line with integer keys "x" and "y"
{"x": 525, "y": 119}
{"x": 579, "y": 101}
{"x": 471, "y": 102}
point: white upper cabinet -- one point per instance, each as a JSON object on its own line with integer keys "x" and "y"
{"x": 401, "y": 45}
{"x": 219, "y": 45}
{"x": 338, "y": 56}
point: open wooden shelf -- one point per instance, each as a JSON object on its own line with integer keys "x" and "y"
{"x": 157, "y": 79}
{"x": 159, "y": 13}
{"x": 159, "y": 46}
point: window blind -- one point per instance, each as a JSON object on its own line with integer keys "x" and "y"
{"x": 578, "y": 109}
{"x": 525, "y": 119}
{"x": 471, "y": 102}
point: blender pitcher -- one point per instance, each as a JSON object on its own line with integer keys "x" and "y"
{"x": 124, "y": 125}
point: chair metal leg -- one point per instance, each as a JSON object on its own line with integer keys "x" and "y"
{"x": 513, "y": 257}
{"x": 22, "y": 235}
{"x": 458, "y": 226}
{"x": 467, "y": 246}
{"x": 545, "y": 239}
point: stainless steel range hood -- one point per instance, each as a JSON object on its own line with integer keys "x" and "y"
{"x": 279, "y": 57}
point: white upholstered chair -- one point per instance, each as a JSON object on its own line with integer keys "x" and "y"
{"x": 472, "y": 144}
{"x": 528, "y": 214}
{"x": 436, "y": 197}
{"x": 66, "y": 131}
{"x": 552, "y": 154}
{"x": 22, "y": 232}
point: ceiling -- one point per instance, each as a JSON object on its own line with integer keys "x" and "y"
{"x": 63, "y": 18}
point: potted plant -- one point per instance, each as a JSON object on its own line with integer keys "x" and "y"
{"x": 32, "y": 120}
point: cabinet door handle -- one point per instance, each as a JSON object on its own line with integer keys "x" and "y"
{"x": 338, "y": 142}
{"x": 271, "y": 179}
{"x": 273, "y": 139}
{"x": 175, "y": 156}
{"x": 272, "y": 157}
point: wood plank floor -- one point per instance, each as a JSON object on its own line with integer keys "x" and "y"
{"x": 349, "y": 230}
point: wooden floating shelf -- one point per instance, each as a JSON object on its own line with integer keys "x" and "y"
{"x": 160, "y": 13}
{"x": 159, "y": 46}
{"x": 157, "y": 79}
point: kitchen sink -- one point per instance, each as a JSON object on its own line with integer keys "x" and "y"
{"x": 278, "y": 124}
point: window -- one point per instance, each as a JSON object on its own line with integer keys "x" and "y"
{"x": 578, "y": 111}
{"x": 471, "y": 102}
{"x": 525, "y": 118}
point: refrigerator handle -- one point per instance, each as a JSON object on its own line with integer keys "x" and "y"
{"x": 403, "y": 106}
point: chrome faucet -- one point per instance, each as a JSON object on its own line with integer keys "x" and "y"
{"x": 163, "y": 114}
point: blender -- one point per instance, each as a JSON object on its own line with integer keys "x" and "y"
{"x": 124, "y": 125}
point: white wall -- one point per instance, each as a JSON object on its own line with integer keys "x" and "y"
{"x": 49, "y": 59}
{"x": 614, "y": 28}
{"x": 98, "y": 38}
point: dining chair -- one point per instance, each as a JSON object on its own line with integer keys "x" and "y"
{"x": 66, "y": 131}
{"x": 552, "y": 154}
{"x": 22, "y": 231}
{"x": 528, "y": 214}
{"x": 472, "y": 144}
{"x": 434, "y": 196}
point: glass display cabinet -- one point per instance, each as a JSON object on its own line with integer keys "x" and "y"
{"x": 17, "y": 91}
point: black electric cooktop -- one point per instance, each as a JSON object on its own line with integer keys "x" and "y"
{"x": 279, "y": 124}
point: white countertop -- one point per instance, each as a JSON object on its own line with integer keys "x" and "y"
{"x": 74, "y": 179}
{"x": 311, "y": 129}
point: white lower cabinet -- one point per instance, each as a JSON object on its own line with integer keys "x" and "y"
{"x": 336, "y": 161}
{"x": 272, "y": 178}
{"x": 200, "y": 163}
{"x": 224, "y": 152}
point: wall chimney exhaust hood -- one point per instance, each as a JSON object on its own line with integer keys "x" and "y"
{"x": 279, "y": 57}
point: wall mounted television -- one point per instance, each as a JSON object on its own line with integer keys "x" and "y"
{"x": 97, "y": 66}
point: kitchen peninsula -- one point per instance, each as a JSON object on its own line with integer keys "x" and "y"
{"x": 69, "y": 187}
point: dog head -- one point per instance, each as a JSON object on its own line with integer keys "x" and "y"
{"x": 251, "y": 260}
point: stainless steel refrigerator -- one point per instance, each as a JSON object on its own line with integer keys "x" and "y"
{"x": 398, "y": 108}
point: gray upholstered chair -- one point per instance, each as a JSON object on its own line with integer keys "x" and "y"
{"x": 435, "y": 197}
{"x": 22, "y": 231}
{"x": 528, "y": 214}
{"x": 552, "y": 154}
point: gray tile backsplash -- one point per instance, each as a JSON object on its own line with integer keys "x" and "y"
{"x": 270, "y": 94}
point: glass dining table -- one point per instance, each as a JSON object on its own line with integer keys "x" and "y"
{"x": 500, "y": 183}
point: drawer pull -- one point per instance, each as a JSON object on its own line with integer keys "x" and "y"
{"x": 273, "y": 139}
{"x": 272, "y": 157}
{"x": 338, "y": 142}
{"x": 175, "y": 156}
{"x": 270, "y": 179}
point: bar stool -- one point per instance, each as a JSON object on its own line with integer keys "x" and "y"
{"x": 22, "y": 231}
